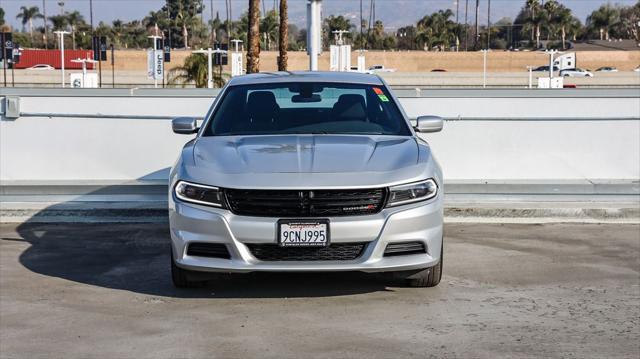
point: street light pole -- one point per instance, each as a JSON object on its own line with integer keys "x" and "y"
{"x": 477, "y": 34}
{"x": 61, "y": 39}
{"x": 46, "y": 30}
{"x": 84, "y": 68}
{"x": 339, "y": 34}
{"x": 210, "y": 52}
{"x": 484, "y": 66}
{"x": 466, "y": 26}
{"x": 313, "y": 32}
{"x": 551, "y": 53}
{"x": 489, "y": 25}
{"x": 91, "y": 14}
{"x": 236, "y": 59}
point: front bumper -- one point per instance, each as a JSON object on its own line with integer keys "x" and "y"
{"x": 416, "y": 222}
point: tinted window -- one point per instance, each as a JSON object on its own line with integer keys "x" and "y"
{"x": 306, "y": 108}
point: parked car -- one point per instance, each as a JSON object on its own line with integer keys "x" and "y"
{"x": 575, "y": 73}
{"x": 380, "y": 68}
{"x": 355, "y": 69}
{"x": 637, "y": 69}
{"x": 306, "y": 172}
{"x": 545, "y": 69}
{"x": 40, "y": 67}
{"x": 438, "y": 70}
{"x": 607, "y": 69}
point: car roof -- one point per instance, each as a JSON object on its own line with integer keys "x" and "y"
{"x": 306, "y": 76}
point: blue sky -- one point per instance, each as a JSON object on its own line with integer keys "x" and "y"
{"x": 393, "y": 13}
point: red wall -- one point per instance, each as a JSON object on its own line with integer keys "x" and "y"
{"x": 32, "y": 57}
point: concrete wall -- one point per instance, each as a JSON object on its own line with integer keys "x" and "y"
{"x": 412, "y": 61}
{"x": 491, "y": 135}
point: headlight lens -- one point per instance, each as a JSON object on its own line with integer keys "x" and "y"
{"x": 412, "y": 192}
{"x": 198, "y": 193}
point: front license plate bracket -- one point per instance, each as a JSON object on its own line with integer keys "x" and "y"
{"x": 303, "y": 233}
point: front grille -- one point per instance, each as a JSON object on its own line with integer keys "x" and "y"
{"x": 211, "y": 250}
{"x": 333, "y": 252}
{"x": 316, "y": 203}
{"x": 404, "y": 248}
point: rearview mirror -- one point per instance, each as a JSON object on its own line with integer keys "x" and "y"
{"x": 306, "y": 99}
{"x": 426, "y": 124}
{"x": 184, "y": 125}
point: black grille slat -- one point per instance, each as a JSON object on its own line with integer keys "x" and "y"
{"x": 307, "y": 203}
{"x": 404, "y": 248}
{"x": 345, "y": 203}
{"x": 333, "y": 252}
{"x": 351, "y": 196}
{"x": 210, "y": 250}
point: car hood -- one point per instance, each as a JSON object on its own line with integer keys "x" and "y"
{"x": 305, "y": 153}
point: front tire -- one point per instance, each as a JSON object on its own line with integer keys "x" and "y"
{"x": 429, "y": 277}
{"x": 180, "y": 277}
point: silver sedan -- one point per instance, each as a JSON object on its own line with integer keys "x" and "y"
{"x": 306, "y": 172}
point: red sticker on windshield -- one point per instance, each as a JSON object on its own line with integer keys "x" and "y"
{"x": 378, "y": 91}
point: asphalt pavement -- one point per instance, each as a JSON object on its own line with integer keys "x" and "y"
{"x": 508, "y": 290}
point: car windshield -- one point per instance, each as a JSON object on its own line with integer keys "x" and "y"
{"x": 307, "y": 108}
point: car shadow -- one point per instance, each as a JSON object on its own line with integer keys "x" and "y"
{"x": 135, "y": 257}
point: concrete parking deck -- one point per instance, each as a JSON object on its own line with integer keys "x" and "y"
{"x": 103, "y": 290}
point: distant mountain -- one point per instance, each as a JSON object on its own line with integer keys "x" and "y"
{"x": 398, "y": 13}
{"x": 393, "y": 13}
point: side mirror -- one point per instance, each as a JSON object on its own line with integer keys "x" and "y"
{"x": 426, "y": 124}
{"x": 184, "y": 125}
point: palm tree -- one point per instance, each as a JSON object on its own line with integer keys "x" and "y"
{"x": 59, "y": 22}
{"x": 194, "y": 70}
{"x": 117, "y": 32}
{"x": 241, "y": 28}
{"x": 253, "y": 54}
{"x": 74, "y": 19}
{"x": 377, "y": 35}
{"x": 551, "y": 9}
{"x": 155, "y": 20}
{"x": 535, "y": 19}
{"x": 183, "y": 19}
{"x": 476, "y": 42}
{"x": 217, "y": 26}
{"x": 228, "y": 22}
{"x": 4, "y": 27}
{"x": 27, "y": 14}
{"x": 436, "y": 30}
{"x": 603, "y": 20}
{"x": 283, "y": 36}
{"x": 566, "y": 21}
{"x": 630, "y": 21}
{"x": 269, "y": 29}
{"x": 339, "y": 22}
{"x": 574, "y": 28}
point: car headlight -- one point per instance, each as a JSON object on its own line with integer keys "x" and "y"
{"x": 200, "y": 194}
{"x": 412, "y": 192}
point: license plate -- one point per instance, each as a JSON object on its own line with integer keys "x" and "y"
{"x": 303, "y": 233}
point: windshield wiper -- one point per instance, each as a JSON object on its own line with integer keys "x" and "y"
{"x": 307, "y": 133}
